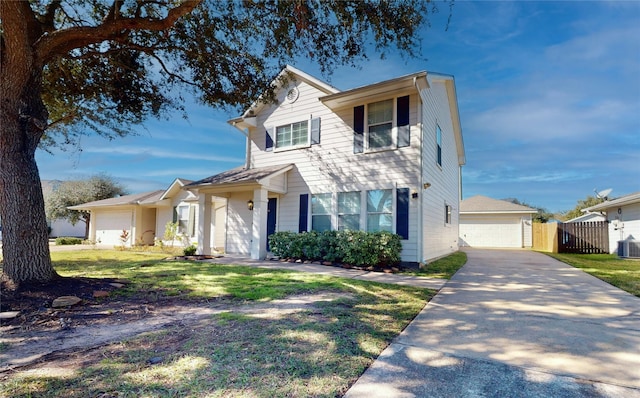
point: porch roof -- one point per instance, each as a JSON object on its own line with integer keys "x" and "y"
{"x": 241, "y": 176}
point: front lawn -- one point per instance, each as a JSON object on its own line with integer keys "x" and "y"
{"x": 444, "y": 267}
{"x": 317, "y": 351}
{"x": 622, "y": 273}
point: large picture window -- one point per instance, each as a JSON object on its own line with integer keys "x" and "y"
{"x": 292, "y": 135}
{"x": 349, "y": 211}
{"x": 380, "y": 123}
{"x": 379, "y": 210}
{"x": 321, "y": 212}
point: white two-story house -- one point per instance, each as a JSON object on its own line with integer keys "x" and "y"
{"x": 386, "y": 156}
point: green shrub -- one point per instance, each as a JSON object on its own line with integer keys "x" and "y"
{"x": 190, "y": 250}
{"x": 350, "y": 247}
{"x": 65, "y": 240}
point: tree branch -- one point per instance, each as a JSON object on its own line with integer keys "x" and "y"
{"x": 65, "y": 40}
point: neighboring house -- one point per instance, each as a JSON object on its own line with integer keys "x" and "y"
{"x": 145, "y": 215}
{"x": 486, "y": 222}
{"x": 623, "y": 215}
{"x": 386, "y": 156}
{"x": 589, "y": 217}
{"x": 59, "y": 227}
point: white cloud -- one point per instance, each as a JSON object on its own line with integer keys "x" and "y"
{"x": 161, "y": 153}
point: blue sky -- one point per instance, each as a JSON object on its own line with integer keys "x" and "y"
{"x": 549, "y": 96}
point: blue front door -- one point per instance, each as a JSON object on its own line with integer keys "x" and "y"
{"x": 272, "y": 205}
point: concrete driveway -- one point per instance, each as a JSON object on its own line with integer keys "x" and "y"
{"x": 514, "y": 324}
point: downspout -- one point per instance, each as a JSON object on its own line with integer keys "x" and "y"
{"x": 421, "y": 200}
{"x": 247, "y": 151}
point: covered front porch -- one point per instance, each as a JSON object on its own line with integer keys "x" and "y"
{"x": 251, "y": 210}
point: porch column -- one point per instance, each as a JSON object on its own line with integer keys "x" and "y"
{"x": 259, "y": 225}
{"x": 204, "y": 223}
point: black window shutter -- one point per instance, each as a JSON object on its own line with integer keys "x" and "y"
{"x": 269, "y": 140}
{"x": 175, "y": 214}
{"x": 404, "y": 130}
{"x": 402, "y": 212}
{"x": 358, "y": 129}
{"x": 315, "y": 131}
{"x": 304, "y": 211}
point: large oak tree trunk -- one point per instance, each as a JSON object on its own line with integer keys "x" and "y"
{"x": 25, "y": 243}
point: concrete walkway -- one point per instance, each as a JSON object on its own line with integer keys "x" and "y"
{"x": 514, "y": 324}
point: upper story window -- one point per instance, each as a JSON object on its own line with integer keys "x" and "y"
{"x": 438, "y": 145}
{"x": 380, "y": 124}
{"x": 292, "y": 135}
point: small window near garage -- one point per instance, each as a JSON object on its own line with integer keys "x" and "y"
{"x": 292, "y": 135}
{"x": 447, "y": 214}
{"x": 321, "y": 212}
{"x": 379, "y": 210}
{"x": 348, "y": 211}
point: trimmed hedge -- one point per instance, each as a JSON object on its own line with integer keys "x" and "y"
{"x": 65, "y": 240}
{"x": 349, "y": 247}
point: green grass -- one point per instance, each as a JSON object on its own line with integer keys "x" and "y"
{"x": 444, "y": 267}
{"x": 318, "y": 351}
{"x": 624, "y": 274}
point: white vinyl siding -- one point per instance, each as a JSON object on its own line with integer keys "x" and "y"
{"x": 331, "y": 166}
{"x": 439, "y": 238}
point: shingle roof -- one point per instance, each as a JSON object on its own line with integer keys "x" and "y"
{"x": 483, "y": 204}
{"x": 240, "y": 175}
{"x": 133, "y": 199}
{"x": 623, "y": 200}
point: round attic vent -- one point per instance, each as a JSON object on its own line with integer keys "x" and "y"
{"x": 292, "y": 95}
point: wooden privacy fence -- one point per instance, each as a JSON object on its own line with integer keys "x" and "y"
{"x": 580, "y": 237}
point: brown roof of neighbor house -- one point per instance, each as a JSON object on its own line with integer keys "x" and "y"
{"x": 483, "y": 204}
{"x": 241, "y": 175}
{"x": 133, "y": 199}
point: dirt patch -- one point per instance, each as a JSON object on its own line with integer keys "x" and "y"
{"x": 41, "y": 333}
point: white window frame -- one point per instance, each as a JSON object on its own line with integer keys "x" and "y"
{"x": 339, "y": 213}
{"x": 330, "y": 213}
{"x": 394, "y": 127}
{"x": 305, "y": 144}
{"x": 391, "y": 213}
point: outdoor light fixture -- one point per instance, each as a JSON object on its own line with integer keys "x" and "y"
{"x": 250, "y": 205}
{"x": 414, "y": 194}
{"x": 426, "y": 185}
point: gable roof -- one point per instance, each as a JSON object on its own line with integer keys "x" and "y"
{"x": 482, "y": 205}
{"x": 133, "y": 199}
{"x": 241, "y": 175}
{"x": 623, "y": 200}
{"x": 288, "y": 73}
{"x": 176, "y": 185}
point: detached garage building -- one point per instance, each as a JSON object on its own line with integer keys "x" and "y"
{"x": 486, "y": 222}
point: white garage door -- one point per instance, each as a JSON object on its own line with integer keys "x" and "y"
{"x": 494, "y": 231}
{"x": 109, "y": 226}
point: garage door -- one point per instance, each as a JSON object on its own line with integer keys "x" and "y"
{"x": 109, "y": 226}
{"x": 490, "y": 231}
